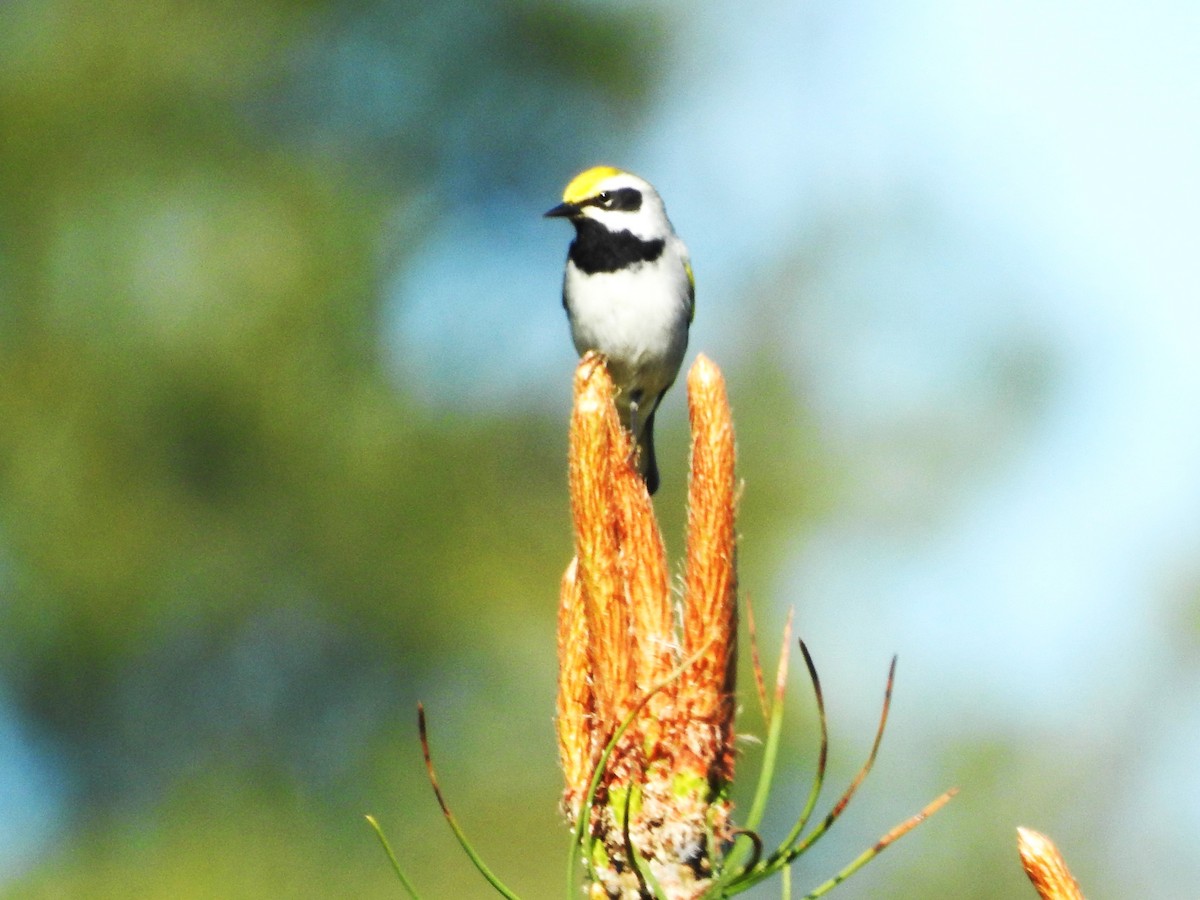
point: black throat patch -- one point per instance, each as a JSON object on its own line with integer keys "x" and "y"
{"x": 596, "y": 249}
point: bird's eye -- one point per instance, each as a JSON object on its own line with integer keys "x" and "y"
{"x": 605, "y": 199}
{"x": 625, "y": 199}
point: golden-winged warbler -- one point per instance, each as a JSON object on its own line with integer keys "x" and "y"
{"x": 629, "y": 293}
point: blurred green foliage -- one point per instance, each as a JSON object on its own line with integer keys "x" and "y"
{"x": 234, "y": 548}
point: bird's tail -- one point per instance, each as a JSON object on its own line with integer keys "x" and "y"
{"x": 647, "y": 464}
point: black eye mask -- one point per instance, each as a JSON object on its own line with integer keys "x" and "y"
{"x": 625, "y": 199}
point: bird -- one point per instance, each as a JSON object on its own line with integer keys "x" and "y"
{"x": 629, "y": 293}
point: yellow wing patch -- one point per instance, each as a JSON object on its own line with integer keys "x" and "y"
{"x": 583, "y": 185}
{"x": 687, "y": 267}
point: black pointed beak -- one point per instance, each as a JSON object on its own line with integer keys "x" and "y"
{"x": 562, "y": 211}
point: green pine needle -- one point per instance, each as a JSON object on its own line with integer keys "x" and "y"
{"x": 387, "y": 848}
{"x": 475, "y": 858}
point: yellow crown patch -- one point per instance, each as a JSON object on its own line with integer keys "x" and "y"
{"x": 583, "y": 185}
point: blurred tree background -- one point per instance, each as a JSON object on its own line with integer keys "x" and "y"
{"x": 244, "y": 526}
{"x": 235, "y": 550}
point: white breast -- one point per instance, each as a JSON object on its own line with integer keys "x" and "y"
{"x": 637, "y": 317}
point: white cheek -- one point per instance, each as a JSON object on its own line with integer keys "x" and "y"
{"x": 643, "y": 223}
{"x": 613, "y": 220}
